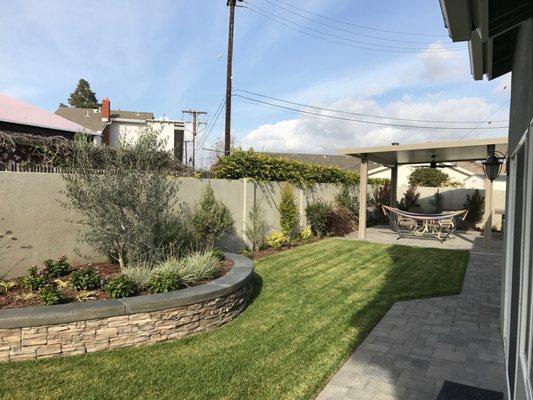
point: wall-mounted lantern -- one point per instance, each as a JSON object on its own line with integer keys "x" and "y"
{"x": 492, "y": 166}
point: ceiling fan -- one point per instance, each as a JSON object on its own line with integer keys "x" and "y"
{"x": 435, "y": 164}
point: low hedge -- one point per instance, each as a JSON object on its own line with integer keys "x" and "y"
{"x": 263, "y": 167}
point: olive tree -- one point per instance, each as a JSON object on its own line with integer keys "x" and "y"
{"x": 125, "y": 197}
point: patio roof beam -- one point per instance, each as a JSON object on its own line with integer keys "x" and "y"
{"x": 363, "y": 188}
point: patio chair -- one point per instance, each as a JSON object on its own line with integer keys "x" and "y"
{"x": 410, "y": 224}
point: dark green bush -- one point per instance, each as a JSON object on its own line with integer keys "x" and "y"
{"x": 317, "y": 217}
{"x": 33, "y": 281}
{"x": 288, "y": 212}
{"x": 165, "y": 282}
{"x": 50, "y": 295}
{"x": 437, "y": 202}
{"x": 475, "y": 205}
{"x": 218, "y": 253}
{"x": 265, "y": 168}
{"x": 120, "y": 286}
{"x": 340, "y": 221}
{"x": 56, "y": 268}
{"x": 85, "y": 279}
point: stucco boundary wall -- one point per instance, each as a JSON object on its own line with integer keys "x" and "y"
{"x": 79, "y": 328}
{"x": 30, "y": 208}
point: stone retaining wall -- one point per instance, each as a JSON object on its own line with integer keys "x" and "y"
{"x": 198, "y": 309}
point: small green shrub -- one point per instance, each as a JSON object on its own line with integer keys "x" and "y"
{"x": 163, "y": 282}
{"x": 317, "y": 217}
{"x": 288, "y": 212}
{"x": 437, "y": 202}
{"x": 410, "y": 199}
{"x": 85, "y": 279}
{"x": 306, "y": 234}
{"x": 198, "y": 266}
{"x": 276, "y": 240}
{"x": 6, "y": 286}
{"x": 50, "y": 295}
{"x": 120, "y": 286}
{"x": 218, "y": 253}
{"x": 139, "y": 273}
{"x": 347, "y": 198}
{"x": 211, "y": 218}
{"x": 246, "y": 252}
{"x": 33, "y": 281}
{"x": 475, "y": 205}
{"x": 56, "y": 268}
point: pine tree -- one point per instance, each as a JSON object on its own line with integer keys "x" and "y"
{"x": 83, "y": 96}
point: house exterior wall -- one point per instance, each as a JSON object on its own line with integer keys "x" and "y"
{"x": 517, "y": 282}
{"x": 130, "y": 131}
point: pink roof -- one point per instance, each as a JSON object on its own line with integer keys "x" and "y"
{"x": 18, "y": 112}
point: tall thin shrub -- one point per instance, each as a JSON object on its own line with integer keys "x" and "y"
{"x": 475, "y": 205}
{"x": 288, "y": 212}
{"x": 256, "y": 229}
{"x": 410, "y": 199}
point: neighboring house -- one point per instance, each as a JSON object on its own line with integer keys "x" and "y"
{"x": 20, "y": 117}
{"x": 500, "y": 40}
{"x": 117, "y": 125}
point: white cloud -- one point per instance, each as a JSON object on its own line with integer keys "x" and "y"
{"x": 323, "y": 135}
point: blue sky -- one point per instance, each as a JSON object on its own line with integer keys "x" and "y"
{"x": 164, "y": 56}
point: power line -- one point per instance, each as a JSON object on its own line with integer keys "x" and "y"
{"x": 214, "y": 120}
{"x": 361, "y": 121}
{"x": 392, "y": 50}
{"x": 361, "y": 26}
{"x": 493, "y": 113}
{"x": 361, "y": 114}
{"x": 316, "y": 21}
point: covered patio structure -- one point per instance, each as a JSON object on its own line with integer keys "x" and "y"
{"x": 424, "y": 153}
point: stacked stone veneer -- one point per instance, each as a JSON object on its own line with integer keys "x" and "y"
{"x": 131, "y": 329}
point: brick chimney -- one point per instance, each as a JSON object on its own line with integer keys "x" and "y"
{"x": 106, "y": 110}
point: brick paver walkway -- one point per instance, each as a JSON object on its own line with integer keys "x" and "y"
{"x": 418, "y": 344}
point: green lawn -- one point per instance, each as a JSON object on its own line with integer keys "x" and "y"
{"x": 314, "y": 304}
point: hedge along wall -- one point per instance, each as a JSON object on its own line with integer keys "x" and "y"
{"x": 29, "y": 208}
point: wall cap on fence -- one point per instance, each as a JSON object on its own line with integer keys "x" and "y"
{"x": 238, "y": 276}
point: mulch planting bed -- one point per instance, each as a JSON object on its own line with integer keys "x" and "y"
{"x": 19, "y": 296}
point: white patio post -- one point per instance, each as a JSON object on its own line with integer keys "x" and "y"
{"x": 487, "y": 218}
{"x": 363, "y": 180}
{"x": 393, "y": 185}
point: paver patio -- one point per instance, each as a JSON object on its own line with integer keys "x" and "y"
{"x": 420, "y": 343}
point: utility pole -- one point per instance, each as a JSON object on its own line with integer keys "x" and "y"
{"x": 195, "y": 124}
{"x": 229, "y": 75}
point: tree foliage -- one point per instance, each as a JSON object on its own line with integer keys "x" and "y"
{"x": 126, "y": 200}
{"x": 288, "y": 211}
{"x": 430, "y": 177}
{"x": 83, "y": 96}
{"x": 348, "y": 198}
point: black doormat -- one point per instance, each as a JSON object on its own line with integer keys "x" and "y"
{"x": 456, "y": 391}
